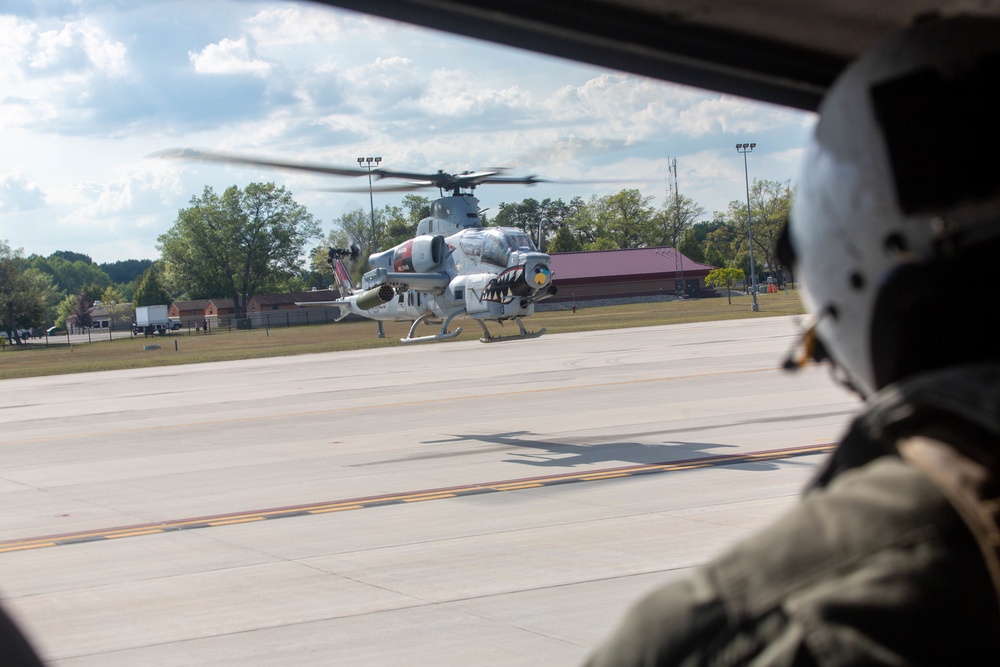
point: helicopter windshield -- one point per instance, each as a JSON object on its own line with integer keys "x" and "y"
{"x": 494, "y": 244}
{"x": 520, "y": 241}
{"x": 499, "y": 242}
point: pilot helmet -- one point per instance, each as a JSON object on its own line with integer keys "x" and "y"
{"x": 896, "y": 214}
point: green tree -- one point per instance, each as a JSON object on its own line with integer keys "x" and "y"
{"x": 355, "y": 228}
{"x": 64, "y": 309}
{"x": 237, "y": 245}
{"x": 690, "y": 247}
{"x": 582, "y": 220}
{"x": 397, "y": 227}
{"x": 725, "y": 278}
{"x": 541, "y": 220}
{"x": 626, "y": 218}
{"x": 417, "y": 208}
{"x": 150, "y": 292}
{"x": 24, "y": 292}
{"x": 565, "y": 241}
{"x": 80, "y": 311}
{"x": 678, "y": 214}
{"x": 601, "y": 243}
{"x": 770, "y": 202}
{"x": 719, "y": 241}
{"x": 72, "y": 276}
{"x": 71, "y": 256}
{"x": 126, "y": 270}
{"x": 114, "y": 302}
{"x": 527, "y": 216}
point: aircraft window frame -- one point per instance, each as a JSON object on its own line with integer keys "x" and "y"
{"x": 497, "y": 247}
{"x": 519, "y": 240}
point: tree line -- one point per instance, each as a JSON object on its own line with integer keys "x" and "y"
{"x": 37, "y": 291}
{"x": 255, "y": 240}
{"x": 628, "y": 219}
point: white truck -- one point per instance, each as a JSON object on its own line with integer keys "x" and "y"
{"x": 153, "y": 320}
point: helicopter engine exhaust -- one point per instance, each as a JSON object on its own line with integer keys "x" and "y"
{"x": 375, "y": 297}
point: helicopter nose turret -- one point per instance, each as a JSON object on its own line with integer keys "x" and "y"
{"x": 537, "y": 274}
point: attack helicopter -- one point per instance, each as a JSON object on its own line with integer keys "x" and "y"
{"x": 453, "y": 269}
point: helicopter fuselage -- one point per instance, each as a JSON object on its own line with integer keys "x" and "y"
{"x": 454, "y": 268}
{"x": 489, "y": 273}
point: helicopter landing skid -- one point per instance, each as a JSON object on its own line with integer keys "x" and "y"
{"x": 525, "y": 334}
{"x": 444, "y": 334}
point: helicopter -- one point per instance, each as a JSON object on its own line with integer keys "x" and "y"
{"x": 454, "y": 268}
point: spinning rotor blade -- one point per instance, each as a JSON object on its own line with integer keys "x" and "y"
{"x": 229, "y": 158}
{"x": 418, "y": 181}
{"x": 384, "y": 188}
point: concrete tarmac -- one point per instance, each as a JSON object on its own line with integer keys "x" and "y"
{"x": 444, "y": 504}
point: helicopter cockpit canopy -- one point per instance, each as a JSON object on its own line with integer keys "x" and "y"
{"x": 520, "y": 240}
{"x": 494, "y": 245}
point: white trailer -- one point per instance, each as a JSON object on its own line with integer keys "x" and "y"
{"x": 153, "y": 320}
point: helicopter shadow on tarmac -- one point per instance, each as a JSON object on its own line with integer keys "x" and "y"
{"x": 599, "y": 450}
{"x": 625, "y": 448}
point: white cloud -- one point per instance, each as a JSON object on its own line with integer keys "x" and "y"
{"x": 632, "y": 106}
{"x": 134, "y": 193}
{"x": 229, "y": 57}
{"x": 50, "y": 74}
{"x": 293, "y": 25}
{"x": 385, "y": 81}
{"x": 17, "y": 193}
{"x": 63, "y": 47}
{"x": 453, "y": 92}
{"x": 732, "y": 116}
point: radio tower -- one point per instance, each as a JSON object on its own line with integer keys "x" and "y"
{"x": 676, "y": 195}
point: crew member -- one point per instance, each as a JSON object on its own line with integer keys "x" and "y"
{"x": 891, "y": 557}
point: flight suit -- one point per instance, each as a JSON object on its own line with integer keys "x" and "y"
{"x": 874, "y": 566}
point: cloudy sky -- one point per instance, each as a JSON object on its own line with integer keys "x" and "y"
{"x": 90, "y": 88}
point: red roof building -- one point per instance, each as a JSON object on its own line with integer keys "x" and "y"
{"x": 188, "y": 311}
{"x": 612, "y": 274}
{"x": 260, "y": 303}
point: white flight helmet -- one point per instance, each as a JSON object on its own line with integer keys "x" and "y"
{"x": 898, "y": 204}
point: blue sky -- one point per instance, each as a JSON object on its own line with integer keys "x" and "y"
{"x": 90, "y": 88}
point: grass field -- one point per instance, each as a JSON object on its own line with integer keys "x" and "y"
{"x": 35, "y": 360}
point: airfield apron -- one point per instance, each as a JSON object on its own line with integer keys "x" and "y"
{"x": 890, "y": 558}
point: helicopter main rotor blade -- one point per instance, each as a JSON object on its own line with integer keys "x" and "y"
{"x": 514, "y": 180}
{"x": 418, "y": 180}
{"x": 384, "y": 188}
{"x": 230, "y": 158}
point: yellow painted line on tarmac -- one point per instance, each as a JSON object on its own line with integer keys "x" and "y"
{"x": 132, "y": 533}
{"x": 242, "y": 519}
{"x": 607, "y": 475}
{"x": 431, "y": 496}
{"x": 516, "y": 487}
{"x": 339, "y": 508}
{"x": 399, "y": 498}
{"x": 25, "y": 547}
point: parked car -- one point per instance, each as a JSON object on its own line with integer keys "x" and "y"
{"x": 52, "y": 331}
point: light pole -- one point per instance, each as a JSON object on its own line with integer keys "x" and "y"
{"x": 746, "y": 148}
{"x": 371, "y": 198}
{"x": 371, "y": 201}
